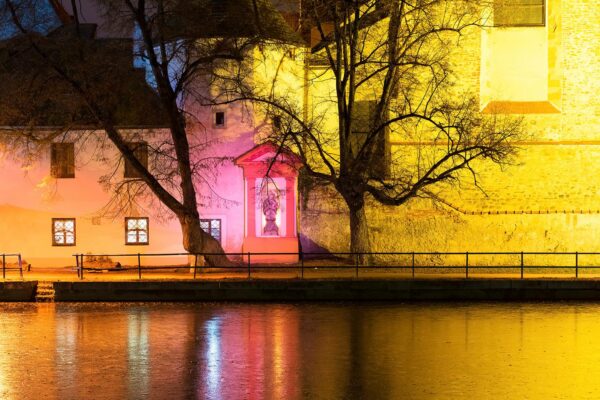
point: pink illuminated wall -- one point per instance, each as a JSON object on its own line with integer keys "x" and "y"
{"x": 30, "y": 198}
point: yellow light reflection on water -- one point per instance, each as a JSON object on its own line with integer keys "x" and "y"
{"x": 5, "y": 361}
{"x": 138, "y": 353}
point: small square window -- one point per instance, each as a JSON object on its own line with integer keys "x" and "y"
{"x": 62, "y": 160}
{"x": 63, "y": 231}
{"x": 212, "y": 227}
{"x": 136, "y": 231}
{"x": 140, "y": 151}
{"x": 219, "y": 119}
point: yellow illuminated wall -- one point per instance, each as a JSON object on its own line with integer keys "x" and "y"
{"x": 548, "y": 200}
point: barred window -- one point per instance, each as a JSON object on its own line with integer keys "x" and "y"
{"x": 136, "y": 230}
{"x": 519, "y": 12}
{"x": 212, "y": 227}
{"x": 62, "y": 160}
{"x": 140, "y": 151}
{"x": 63, "y": 232}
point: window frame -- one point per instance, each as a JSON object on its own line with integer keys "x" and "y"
{"x": 65, "y": 244}
{"x": 509, "y": 25}
{"x": 137, "y": 242}
{"x": 128, "y": 171}
{"x": 210, "y": 226}
{"x": 57, "y": 170}
{"x": 214, "y": 119}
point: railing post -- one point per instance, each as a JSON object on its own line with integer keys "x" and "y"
{"x": 356, "y": 261}
{"x": 576, "y": 265}
{"x": 3, "y": 266}
{"x": 467, "y": 265}
{"x": 81, "y": 263}
{"x": 301, "y": 264}
{"x": 413, "y": 265}
{"x": 77, "y": 264}
{"x": 248, "y": 265}
{"x": 139, "y": 266}
{"x": 522, "y": 265}
{"x": 195, "y": 264}
{"x": 20, "y": 265}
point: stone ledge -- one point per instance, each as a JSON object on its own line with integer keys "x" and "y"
{"x": 331, "y": 290}
{"x": 18, "y": 291}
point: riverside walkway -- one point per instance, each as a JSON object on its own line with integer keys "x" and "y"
{"x": 314, "y": 280}
{"x": 70, "y": 275}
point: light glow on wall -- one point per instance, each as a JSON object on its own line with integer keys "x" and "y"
{"x": 275, "y": 187}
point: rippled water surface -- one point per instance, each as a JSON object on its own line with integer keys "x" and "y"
{"x": 299, "y": 351}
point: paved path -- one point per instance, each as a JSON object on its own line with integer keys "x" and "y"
{"x": 67, "y": 275}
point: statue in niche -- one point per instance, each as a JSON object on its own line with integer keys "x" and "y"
{"x": 270, "y": 206}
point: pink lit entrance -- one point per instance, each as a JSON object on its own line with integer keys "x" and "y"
{"x": 270, "y": 203}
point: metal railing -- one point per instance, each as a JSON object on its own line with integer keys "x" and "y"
{"x": 5, "y": 268}
{"x": 410, "y": 263}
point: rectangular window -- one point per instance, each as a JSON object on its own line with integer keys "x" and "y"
{"x": 62, "y": 160}
{"x": 63, "y": 231}
{"x": 212, "y": 227}
{"x": 140, "y": 151}
{"x": 519, "y": 12}
{"x": 136, "y": 230}
{"x": 219, "y": 119}
{"x": 363, "y": 125}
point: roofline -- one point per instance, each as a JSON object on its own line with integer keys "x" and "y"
{"x": 79, "y": 127}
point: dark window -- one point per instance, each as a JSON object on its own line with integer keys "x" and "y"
{"x": 277, "y": 123}
{"x": 519, "y": 12}
{"x": 363, "y": 126}
{"x": 219, "y": 119}
{"x": 212, "y": 227}
{"x": 62, "y": 160}
{"x": 136, "y": 230}
{"x": 63, "y": 232}
{"x": 140, "y": 150}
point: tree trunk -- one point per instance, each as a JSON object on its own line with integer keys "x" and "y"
{"x": 195, "y": 240}
{"x": 359, "y": 232}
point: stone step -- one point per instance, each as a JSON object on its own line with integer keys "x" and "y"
{"x": 44, "y": 292}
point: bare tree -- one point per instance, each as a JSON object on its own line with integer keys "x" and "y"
{"x": 381, "y": 69}
{"x": 94, "y": 87}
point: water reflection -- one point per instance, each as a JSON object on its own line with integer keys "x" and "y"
{"x": 138, "y": 354}
{"x": 305, "y": 351}
{"x": 213, "y": 358}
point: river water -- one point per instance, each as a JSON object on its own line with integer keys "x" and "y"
{"x": 300, "y": 351}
